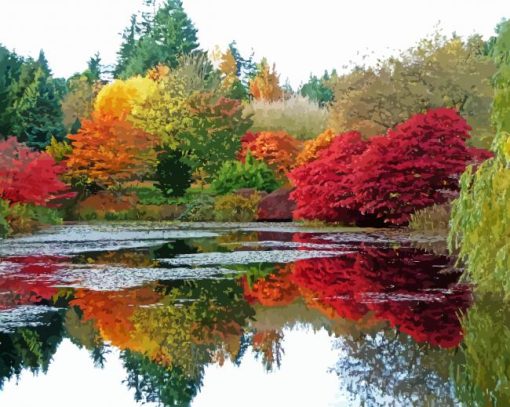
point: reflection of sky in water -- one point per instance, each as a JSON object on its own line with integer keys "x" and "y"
{"x": 304, "y": 379}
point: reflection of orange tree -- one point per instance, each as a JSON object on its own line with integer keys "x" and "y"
{"x": 272, "y": 290}
{"x": 268, "y": 345}
{"x": 113, "y": 311}
{"x": 180, "y": 326}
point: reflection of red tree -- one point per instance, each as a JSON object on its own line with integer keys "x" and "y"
{"x": 404, "y": 287}
{"x": 32, "y": 281}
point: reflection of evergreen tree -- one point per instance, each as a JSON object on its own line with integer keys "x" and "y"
{"x": 155, "y": 383}
{"x": 30, "y": 347}
{"x": 389, "y": 366}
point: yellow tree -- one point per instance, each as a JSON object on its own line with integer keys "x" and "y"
{"x": 117, "y": 99}
{"x": 437, "y": 72}
{"x": 265, "y": 85}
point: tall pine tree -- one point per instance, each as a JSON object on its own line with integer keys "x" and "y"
{"x": 162, "y": 37}
{"x": 37, "y": 109}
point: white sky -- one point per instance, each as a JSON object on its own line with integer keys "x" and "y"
{"x": 299, "y": 36}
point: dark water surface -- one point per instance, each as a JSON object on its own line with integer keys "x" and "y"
{"x": 231, "y": 315}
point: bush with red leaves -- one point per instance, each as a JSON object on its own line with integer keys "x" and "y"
{"x": 28, "y": 176}
{"x": 389, "y": 177}
{"x": 413, "y": 166}
{"x": 324, "y": 187}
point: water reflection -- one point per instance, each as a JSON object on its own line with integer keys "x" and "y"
{"x": 391, "y": 312}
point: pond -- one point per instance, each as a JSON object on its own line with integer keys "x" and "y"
{"x": 164, "y": 314}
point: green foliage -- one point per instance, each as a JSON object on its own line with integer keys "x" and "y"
{"x": 432, "y": 219}
{"x": 10, "y": 67}
{"x": 25, "y": 218}
{"x": 149, "y": 195}
{"x": 5, "y": 229}
{"x": 480, "y": 225}
{"x": 234, "y": 175}
{"x": 161, "y": 37}
{"x": 173, "y": 176}
{"x": 38, "y": 115}
{"x": 317, "y": 89}
{"x": 199, "y": 210}
{"x": 298, "y": 115}
{"x": 236, "y": 208}
{"x": 482, "y": 377}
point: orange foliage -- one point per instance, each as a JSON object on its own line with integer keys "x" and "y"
{"x": 112, "y": 312}
{"x": 274, "y": 290}
{"x": 265, "y": 86}
{"x": 159, "y": 72}
{"x": 110, "y": 151}
{"x": 312, "y": 148}
{"x": 278, "y": 149}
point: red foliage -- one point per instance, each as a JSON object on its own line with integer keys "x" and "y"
{"x": 28, "y": 176}
{"x": 278, "y": 149}
{"x": 30, "y": 280}
{"x": 324, "y": 186}
{"x": 415, "y": 165}
{"x": 403, "y": 287}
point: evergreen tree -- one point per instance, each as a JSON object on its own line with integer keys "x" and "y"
{"x": 94, "y": 68}
{"x": 161, "y": 38}
{"x": 38, "y": 115}
{"x": 317, "y": 89}
{"x": 10, "y": 67}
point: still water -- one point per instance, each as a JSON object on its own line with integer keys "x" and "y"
{"x": 242, "y": 315}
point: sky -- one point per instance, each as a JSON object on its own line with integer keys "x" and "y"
{"x": 299, "y": 36}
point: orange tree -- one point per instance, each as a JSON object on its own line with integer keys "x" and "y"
{"x": 278, "y": 149}
{"x": 265, "y": 85}
{"x": 109, "y": 151}
{"x": 311, "y": 148}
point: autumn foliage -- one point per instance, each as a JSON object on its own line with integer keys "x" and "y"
{"x": 389, "y": 177}
{"x": 278, "y": 149}
{"x": 311, "y": 148}
{"x": 324, "y": 187}
{"x": 413, "y": 166}
{"x": 110, "y": 151}
{"x": 28, "y": 176}
{"x": 265, "y": 85}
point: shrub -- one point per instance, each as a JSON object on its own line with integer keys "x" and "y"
{"x": 298, "y": 116}
{"x": 148, "y": 195}
{"x": 199, "y": 210}
{"x": 25, "y": 218}
{"x": 324, "y": 186}
{"x": 311, "y": 148}
{"x": 431, "y": 219}
{"x": 252, "y": 173}
{"x": 4, "y": 224}
{"x": 413, "y": 166}
{"x": 236, "y": 208}
{"x": 278, "y": 149}
{"x": 172, "y": 175}
{"x": 28, "y": 176}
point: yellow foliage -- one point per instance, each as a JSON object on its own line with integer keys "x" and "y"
{"x": 311, "y": 148}
{"x": 265, "y": 86}
{"x": 117, "y": 99}
{"x": 58, "y": 150}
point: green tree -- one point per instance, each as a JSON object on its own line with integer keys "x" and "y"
{"x": 173, "y": 176}
{"x": 161, "y": 38}
{"x": 37, "y": 110}
{"x": 317, "y": 89}
{"x": 480, "y": 224}
{"x": 10, "y": 67}
{"x": 437, "y": 72}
